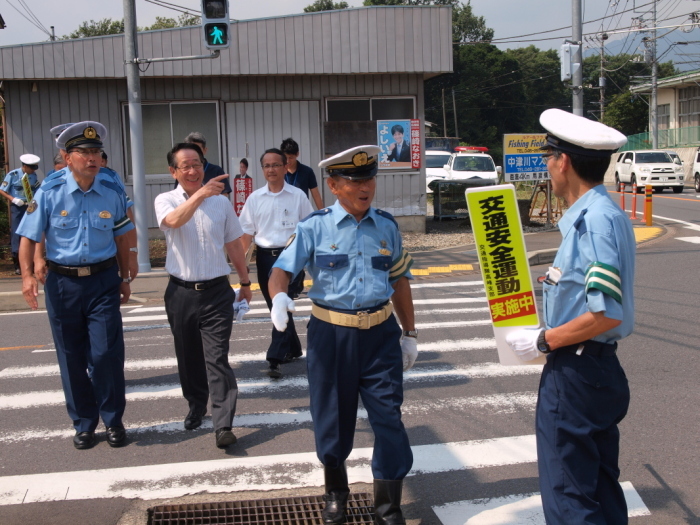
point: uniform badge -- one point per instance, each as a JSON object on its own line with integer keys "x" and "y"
{"x": 105, "y": 215}
{"x": 4, "y": 184}
{"x": 334, "y": 247}
{"x": 360, "y": 159}
{"x": 90, "y": 133}
{"x": 384, "y": 251}
{"x": 31, "y": 207}
{"x": 290, "y": 240}
{"x": 64, "y": 213}
{"x": 383, "y": 243}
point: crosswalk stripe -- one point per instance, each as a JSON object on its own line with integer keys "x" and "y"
{"x": 692, "y": 240}
{"x": 173, "y": 390}
{"x": 15, "y": 372}
{"x": 253, "y": 473}
{"x": 493, "y": 404}
{"x": 519, "y": 509}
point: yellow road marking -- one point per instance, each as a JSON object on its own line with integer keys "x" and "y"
{"x": 15, "y": 348}
{"x": 646, "y": 233}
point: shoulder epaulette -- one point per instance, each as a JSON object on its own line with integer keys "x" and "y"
{"x": 580, "y": 223}
{"x": 52, "y": 183}
{"x": 387, "y": 215}
{"x": 322, "y": 211}
{"x": 112, "y": 186}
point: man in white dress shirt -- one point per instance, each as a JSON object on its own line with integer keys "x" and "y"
{"x": 271, "y": 214}
{"x": 200, "y": 228}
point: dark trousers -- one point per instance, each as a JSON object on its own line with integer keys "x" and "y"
{"x": 87, "y": 328}
{"x": 17, "y": 212}
{"x": 343, "y": 362}
{"x": 201, "y": 323}
{"x": 582, "y": 398}
{"x": 286, "y": 342}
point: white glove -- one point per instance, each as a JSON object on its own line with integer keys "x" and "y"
{"x": 18, "y": 202}
{"x": 409, "y": 351}
{"x": 281, "y": 304}
{"x": 524, "y": 343}
{"x": 243, "y": 309}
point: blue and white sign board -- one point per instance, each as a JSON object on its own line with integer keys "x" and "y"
{"x": 522, "y": 157}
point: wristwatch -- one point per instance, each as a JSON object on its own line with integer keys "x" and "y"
{"x": 126, "y": 280}
{"x": 134, "y": 249}
{"x": 542, "y": 344}
{"x": 244, "y": 284}
{"x": 410, "y": 333}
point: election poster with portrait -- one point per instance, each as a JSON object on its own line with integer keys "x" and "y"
{"x": 399, "y": 142}
{"x": 500, "y": 246}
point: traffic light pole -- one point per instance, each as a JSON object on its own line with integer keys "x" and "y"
{"x": 577, "y": 37}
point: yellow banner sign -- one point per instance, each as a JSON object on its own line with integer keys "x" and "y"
{"x": 27, "y": 188}
{"x": 500, "y": 245}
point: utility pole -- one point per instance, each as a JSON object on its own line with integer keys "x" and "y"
{"x": 654, "y": 80}
{"x": 454, "y": 110}
{"x": 138, "y": 158}
{"x": 601, "y": 80}
{"x": 444, "y": 114}
{"x": 577, "y": 37}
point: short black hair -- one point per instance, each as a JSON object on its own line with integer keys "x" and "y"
{"x": 276, "y": 152}
{"x": 179, "y": 147}
{"x": 397, "y": 127}
{"x": 290, "y": 146}
{"x": 104, "y": 155}
{"x": 589, "y": 169}
{"x": 244, "y": 161}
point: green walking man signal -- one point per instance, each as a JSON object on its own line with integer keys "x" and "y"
{"x": 215, "y": 24}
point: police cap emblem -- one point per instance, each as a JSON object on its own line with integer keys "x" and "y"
{"x": 360, "y": 159}
{"x": 90, "y": 133}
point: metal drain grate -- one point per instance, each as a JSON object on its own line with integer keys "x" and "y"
{"x": 288, "y": 511}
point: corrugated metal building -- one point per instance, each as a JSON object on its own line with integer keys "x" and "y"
{"x": 321, "y": 78}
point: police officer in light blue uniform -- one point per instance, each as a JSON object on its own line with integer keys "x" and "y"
{"x": 588, "y": 307}
{"x": 82, "y": 215}
{"x": 354, "y": 345}
{"x": 13, "y": 190}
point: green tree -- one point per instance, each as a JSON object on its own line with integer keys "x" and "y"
{"x": 106, "y": 26}
{"x": 467, "y": 27}
{"x": 325, "y": 5}
{"x": 627, "y": 113}
{"x": 183, "y": 20}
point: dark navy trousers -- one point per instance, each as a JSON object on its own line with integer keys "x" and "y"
{"x": 287, "y": 342}
{"x": 87, "y": 328}
{"x": 582, "y": 398}
{"x": 17, "y": 212}
{"x": 343, "y": 362}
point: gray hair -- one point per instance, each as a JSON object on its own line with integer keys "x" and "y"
{"x": 197, "y": 137}
{"x": 58, "y": 159}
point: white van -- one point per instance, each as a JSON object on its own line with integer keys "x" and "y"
{"x": 472, "y": 165}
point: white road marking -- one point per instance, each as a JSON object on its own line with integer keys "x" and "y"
{"x": 520, "y": 509}
{"x": 689, "y": 225}
{"x": 254, "y": 473}
{"x": 172, "y": 390}
{"x": 692, "y": 240}
{"x": 494, "y": 404}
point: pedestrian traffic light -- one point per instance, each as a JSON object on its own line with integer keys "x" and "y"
{"x": 215, "y": 24}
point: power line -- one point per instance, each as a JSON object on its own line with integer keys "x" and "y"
{"x": 175, "y": 7}
{"x": 30, "y": 20}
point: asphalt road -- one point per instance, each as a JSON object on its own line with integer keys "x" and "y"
{"x": 470, "y": 421}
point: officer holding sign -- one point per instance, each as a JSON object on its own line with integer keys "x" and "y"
{"x": 354, "y": 345}
{"x": 588, "y": 307}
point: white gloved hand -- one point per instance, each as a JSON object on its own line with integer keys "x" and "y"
{"x": 524, "y": 343}
{"x": 18, "y": 202}
{"x": 409, "y": 351}
{"x": 243, "y": 309}
{"x": 281, "y": 304}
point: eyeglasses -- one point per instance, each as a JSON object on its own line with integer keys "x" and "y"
{"x": 85, "y": 153}
{"x": 272, "y": 166}
{"x": 195, "y": 167}
{"x": 547, "y": 156}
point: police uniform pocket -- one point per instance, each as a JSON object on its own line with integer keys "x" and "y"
{"x": 382, "y": 262}
{"x": 330, "y": 267}
{"x": 64, "y": 228}
{"x": 332, "y": 262}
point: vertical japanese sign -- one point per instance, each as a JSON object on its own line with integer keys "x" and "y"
{"x": 500, "y": 245}
{"x": 242, "y": 188}
{"x": 399, "y": 143}
{"x": 522, "y": 157}
{"x": 27, "y": 188}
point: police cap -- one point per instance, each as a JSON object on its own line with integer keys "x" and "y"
{"x": 358, "y": 163}
{"x": 29, "y": 159}
{"x": 574, "y": 134}
{"x": 87, "y": 134}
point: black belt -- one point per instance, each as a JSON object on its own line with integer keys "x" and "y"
{"x": 200, "y": 286}
{"x": 275, "y": 252}
{"x": 82, "y": 271}
{"x": 591, "y": 347}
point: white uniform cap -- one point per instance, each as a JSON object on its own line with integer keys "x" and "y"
{"x": 574, "y": 134}
{"x": 358, "y": 163}
{"x": 29, "y": 159}
{"x": 87, "y": 134}
{"x": 57, "y": 130}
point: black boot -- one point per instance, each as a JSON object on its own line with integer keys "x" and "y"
{"x": 387, "y": 502}
{"x": 336, "y": 496}
{"x": 15, "y": 261}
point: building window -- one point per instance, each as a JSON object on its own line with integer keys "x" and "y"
{"x": 689, "y": 107}
{"x": 663, "y": 116}
{"x": 166, "y": 124}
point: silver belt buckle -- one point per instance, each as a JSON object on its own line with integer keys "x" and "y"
{"x": 363, "y": 320}
{"x": 83, "y": 271}
{"x": 198, "y": 287}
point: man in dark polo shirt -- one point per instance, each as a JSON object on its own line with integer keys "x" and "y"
{"x": 298, "y": 174}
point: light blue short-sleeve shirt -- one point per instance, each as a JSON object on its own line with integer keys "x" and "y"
{"x": 12, "y": 184}
{"x": 353, "y": 264}
{"x": 595, "y": 232}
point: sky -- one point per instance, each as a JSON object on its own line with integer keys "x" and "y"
{"x": 508, "y": 18}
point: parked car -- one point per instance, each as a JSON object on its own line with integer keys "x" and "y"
{"x": 696, "y": 171}
{"x": 648, "y": 167}
{"x": 435, "y": 166}
{"x": 473, "y": 166}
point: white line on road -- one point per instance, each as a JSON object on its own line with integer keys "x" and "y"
{"x": 692, "y": 240}
{"x": 519, "y": 509}
{"x": 251, "y": 473}
{"x": 172, "y": 390}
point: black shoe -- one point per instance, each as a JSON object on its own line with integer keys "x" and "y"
{"x": 84, "y": 440}
{"x": 194, "y": 418}
{"x": 224, "y": 437}
{"x": 336, "y": 496}
{"x": 387, "y": 502}
{"x": 275, "y": 371}
{"x": 288, "y": 358}
{"x": 116, "y": 436}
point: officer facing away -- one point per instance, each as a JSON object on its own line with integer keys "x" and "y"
{"x": 354, "y": 344}
{"x": 588, "y": 307}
